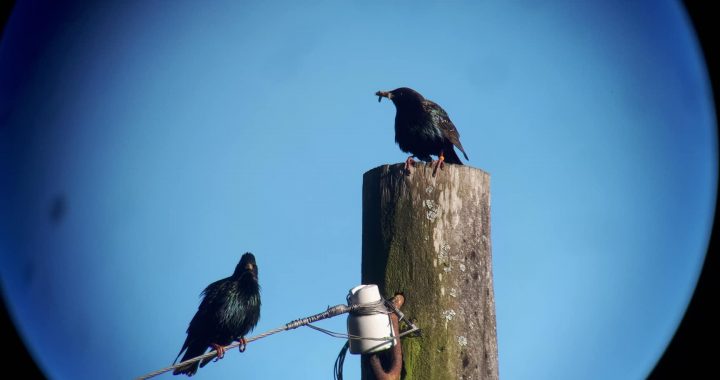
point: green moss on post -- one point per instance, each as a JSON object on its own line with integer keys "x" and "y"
{"x": 429, "y": 238}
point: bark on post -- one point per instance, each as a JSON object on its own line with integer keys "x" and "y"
{"x": 429, "y": 238}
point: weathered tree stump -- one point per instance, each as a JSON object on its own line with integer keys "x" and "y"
{"x": 429, "y": 238}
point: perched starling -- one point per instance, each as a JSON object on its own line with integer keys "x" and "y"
{"x": 229, "y": 310}
{"x": 423, "y": 128}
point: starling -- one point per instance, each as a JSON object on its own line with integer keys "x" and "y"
{"x": 230, "y": 309}
{"x": 423, "y": 128}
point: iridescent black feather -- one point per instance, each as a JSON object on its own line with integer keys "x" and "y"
{"x": 423, "y": 128}
{"x": 230, "y": 309}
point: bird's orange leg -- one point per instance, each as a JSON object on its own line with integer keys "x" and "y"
{"x": 243, "y": 344}
{"x": 220, "y": 351}
{"x": 440, "y": 162}
{"x": 408, "y": 164}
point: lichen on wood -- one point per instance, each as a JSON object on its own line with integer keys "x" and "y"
{"x": 429, "y": 238}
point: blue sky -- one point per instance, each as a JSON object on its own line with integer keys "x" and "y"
{"x": 182, "y": 136}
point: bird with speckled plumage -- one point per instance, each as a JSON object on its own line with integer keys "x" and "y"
{"x": 230, "y": 309}
{"x": 423, "y": 129}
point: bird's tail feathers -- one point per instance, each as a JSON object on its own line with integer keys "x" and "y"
{"x": 451, "y": 157}
{"x": 178, "y": 355}
{"x": 189, "y": 369}
{"x": 191, "y": 351}
{"x": 204, "y": 362}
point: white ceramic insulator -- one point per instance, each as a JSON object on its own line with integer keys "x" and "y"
{"x": 368, "y": 326}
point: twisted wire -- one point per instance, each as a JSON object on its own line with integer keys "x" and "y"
{"x": 377, "y": 307}
{"x": 329, "y": 313}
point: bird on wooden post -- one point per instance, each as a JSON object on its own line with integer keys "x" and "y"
{"x": 230, "y": 309}
{"x": 423, "y": 128}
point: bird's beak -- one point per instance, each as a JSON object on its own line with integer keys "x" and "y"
{"x": 249, "y": 267}
{"x": 381, "y": 94}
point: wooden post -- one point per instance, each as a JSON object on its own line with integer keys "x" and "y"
{"x": 429, "y": 238}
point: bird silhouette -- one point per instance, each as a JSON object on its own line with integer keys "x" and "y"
{"x": 230, "y": 309}
{"x": 423, "y": 128}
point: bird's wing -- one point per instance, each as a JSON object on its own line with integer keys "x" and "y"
{"x": 203, "y": 324}
{"x": 204, "y": 318}
{"x": 214, "y": 297}
{"x": 442, "y": 120}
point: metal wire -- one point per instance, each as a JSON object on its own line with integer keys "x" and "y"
{"x": 329, "y": 313}
{"x": 378, "y": 307}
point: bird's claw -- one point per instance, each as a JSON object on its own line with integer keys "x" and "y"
{"x": 439, "y": 163}
{"x": 408, "y": 164}
{"x": 243, "y": 344}
{"x": 220, "y": 351}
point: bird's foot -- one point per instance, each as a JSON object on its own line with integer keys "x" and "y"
{"x": 408, "y": 164}
{"x": 220, "y": 351}
{"x": 243, "y": 344}
{"x": 439, "y": 163}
